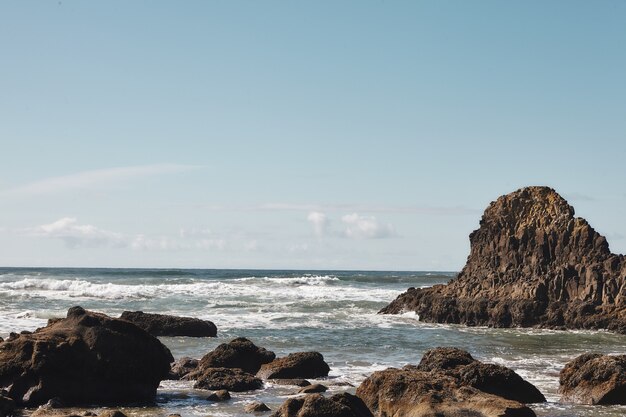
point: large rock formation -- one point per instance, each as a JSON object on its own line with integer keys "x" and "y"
{"x": 532, "y": 263}
{"x": 593, "y": 378}
{"x": 165, "y": 325}
{"x": 86, "y": 358}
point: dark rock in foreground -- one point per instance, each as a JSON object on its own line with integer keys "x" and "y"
{"x": 164, "y": 325}
{"x": 594, "y": 379}
{"x": 86, "y": 358}
{"x": 315, "y": 405}
{"x": 531, "y": 263}
{"x": 231, "y": 379}
{"x": 7, "y": 406}
{"x": 448, "y": 381}
{"x": 239, "y": 353}
{"x": 295, "y": 365}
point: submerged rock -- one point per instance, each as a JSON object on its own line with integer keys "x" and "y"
{"x": 164, "y": 325}
{"x": 219, "y": 396}
{"x": 239, "y": 353}
{"x": 231, "y": 379}
{"x": 531, "y": 263}
{"x": 448, "y": 381}
{"x": 312, "y": 389}
{"x": 315, "y": 405}
{"x": 86, "y": 358}
{"x": 295, "y": 365}
{"x": 594, "y": 379}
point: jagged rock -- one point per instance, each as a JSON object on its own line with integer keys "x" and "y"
{"x": 312, "y": 389}
{"x": 164, "y": 325}
{"x": 231, "y": 379}
{"x": 238, "y": 353}
{"x": 594, "y": 379}
{"x": 86, "y": 358}
{"x": 531, "y": 263}
{"x": 296, "y": 365}
{"x": 219, "y": 396}
{"x": 411, "y": 392}
{"x": 256, "y": 407}
{"x": 315, "y": 405}
{"x": 182, "y": 367}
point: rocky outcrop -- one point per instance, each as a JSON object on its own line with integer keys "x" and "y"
{"x": 239, "y": 353}
{"x": 86, "y": 358}
{"x": 315, "y": 405}
{"x": 231, "y": 379}
{"x": 164, "y": 325}
{"x": 594, "y": 379}
{"x": 295, "y": 365}
{"x": 531, "y": 263}
{"x": 448, "y": 381}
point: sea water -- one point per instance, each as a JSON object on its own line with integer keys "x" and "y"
{"x": 333, "y": 312}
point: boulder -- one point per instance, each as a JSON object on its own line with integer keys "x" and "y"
{"x": 294, "y": 381}
{"x": 164, "y": 325}
{"x": 239, "y": 353}
{"x": 594, "y": 379}
{"x": 86, "y": 358}
{"x": 312, "y": 389}
{"x": 531, "y": 264}
{"x": 219, "y": 396}
{"x": 315, "y": 405}
{"x": 296, "y": 365}
{"x": 231, "y": 379}
{"x": 182, "y": 367}
{"x": 411, "y": 392}
{"x": 256, "y": 407}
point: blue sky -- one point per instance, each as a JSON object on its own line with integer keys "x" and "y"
{"x": 274, "y": 134}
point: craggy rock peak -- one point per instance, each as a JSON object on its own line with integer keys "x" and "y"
{"x": 532, "y": 263}
{"x": 593, "y": 378}
{"x": 448, "y": 382}
{"x": 164, "y": 325}
{"x": 86, "y": 358}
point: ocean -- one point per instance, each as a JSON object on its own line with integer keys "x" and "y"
{"x": 333, "y": 312}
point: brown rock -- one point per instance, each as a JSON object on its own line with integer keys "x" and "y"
{"x": 315, "y": 405}
{"x": 312, "y": 389}
{"x": 256, "y": 407}
{"x": 182, "y": 367}
{"x": 414, "y": 393}
{"x": 112, "y": 413}
{"x": 594, "y": 379}
{"x": 238, "y": 353}
{"x": 294, "y": 381}
{"x": 231, "y": 379}
{"x": 164, "y": 325}
{"x": 296, "y": 365}
{"x": 86, "y": 358}
{"x": 531, "y": 263}
{"x": 219, "y": 396}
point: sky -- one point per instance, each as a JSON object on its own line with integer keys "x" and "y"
{"x": 300, "y": 135}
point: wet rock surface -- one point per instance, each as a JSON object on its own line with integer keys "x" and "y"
{"x": 164, "y": 325}
{"x": 594, "y": 379}
{"x": 316, "y": 405}
{"x": 85, "y": 358}
{"x": 231, "y": 379}
{"x": 531, "y": 264}
{"x": 239, "y": 353}
{"x": 295, "y": 365}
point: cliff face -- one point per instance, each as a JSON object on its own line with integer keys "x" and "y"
{"x": 531, "y": 263}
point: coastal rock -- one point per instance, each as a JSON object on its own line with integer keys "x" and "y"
{"x": 86, "y": 358}
{"x": 164, "y": 325}
{"x": 256, "y": 407}
{"x": 231, "y": 379}
{"x": 182, "y": 367}
{"x": 531, "y": 263}
{"x": 312, "y": 389}
{"x": 594, "y": 379}
{"x": 7, "y": 406}
{"x": 296, "y": 365}
{"x": 239, "y": 353}
{"x": 315, "y": 405}
{"x": 411, "y": 392}
{"x": 294, "y": 381}
{"x": 219, "y": 396}
{"x": 489, "y": 378}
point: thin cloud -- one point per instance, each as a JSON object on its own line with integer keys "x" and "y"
{"x": 89, "y": 179}
{"x": 319, "y": 221}
{"x": 366, "y": 227}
